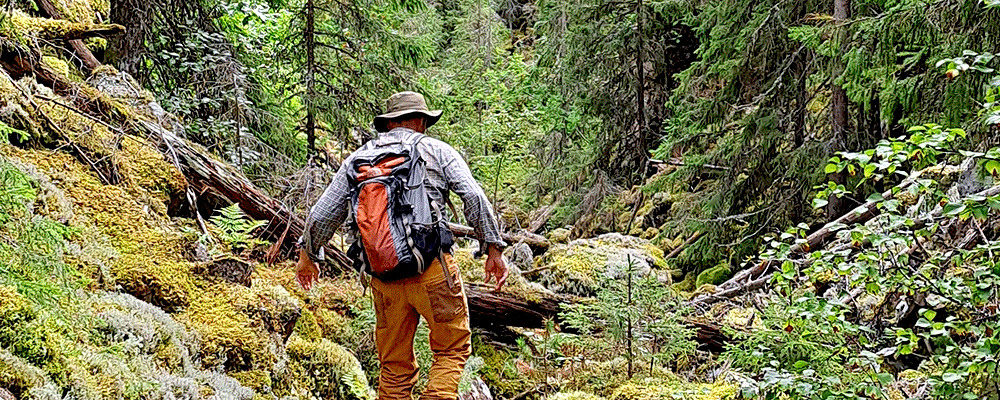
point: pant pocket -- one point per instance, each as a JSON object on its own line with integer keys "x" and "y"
{"x": 378, "y": 302}
{"x": 446, "y": 303}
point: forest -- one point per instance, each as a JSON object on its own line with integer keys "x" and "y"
{"x": 703, "y": 199}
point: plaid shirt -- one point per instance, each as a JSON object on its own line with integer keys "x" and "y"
{"x": 446, "y": 170}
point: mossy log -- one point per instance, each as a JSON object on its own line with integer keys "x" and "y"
{"x": 81, "y": 50}
{"x": 56, "y": 29}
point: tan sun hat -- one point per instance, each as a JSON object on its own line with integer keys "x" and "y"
{"x": 403, "y": 103}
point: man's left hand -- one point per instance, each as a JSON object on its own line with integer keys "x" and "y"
{"x": 496, "y": 267}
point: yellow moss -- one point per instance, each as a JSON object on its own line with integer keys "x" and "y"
{"x": 327, "y": 370}
{"x": 96, "y": 43}
{"x": 655, "y": 389}
{"x": 576, "y": 395}
{"x": 144, "y": 167}
{"x": 705, "y": 289}
{"x": 307, "y": 327}
{"x": 229, "y": 337}
{"x": 333, "y": 325}
{"x": 11, "y": 302}
{"x": 257, "y": 380}
{"x": 656, "y": 253}
{"x": 19, "y": 25}
{"x": 739, "y": 318}
{"x": 57, "y": 65}
{"x": 687, "y": 284}
{"x": 76, "y": 10}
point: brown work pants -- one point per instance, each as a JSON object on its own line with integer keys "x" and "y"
{"x": 398, "y": 307}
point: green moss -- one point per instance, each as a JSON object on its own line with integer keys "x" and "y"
{"x": 229, "y": 337}
{"x": 333, "y": 325}
{"x": 559, "y": 235}
{"x": 327, "y": 370}
{"x": 656, "y": 254}
{"x": 714, "y": 275}
{"x": 498, "y": 372}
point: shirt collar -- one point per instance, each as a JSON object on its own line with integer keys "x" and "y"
{"x": 394, "y": 135}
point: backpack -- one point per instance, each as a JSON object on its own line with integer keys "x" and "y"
{"x": 399, "y": 228}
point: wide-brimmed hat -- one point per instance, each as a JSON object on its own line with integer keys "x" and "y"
{"x": 403, "y": 103}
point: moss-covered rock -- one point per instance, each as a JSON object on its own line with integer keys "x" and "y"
{"x": 559, "y": 235}
{"x": 577, "y": 267}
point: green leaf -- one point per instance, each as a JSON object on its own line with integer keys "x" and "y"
{"x": 801, "y": 364}
{"x": 830, "y": 168}
{"x": 819, "y": 203}
{"x": 950, "y": 377}
{"x": 953, "y": 209}
{"x": 884, "y": 378}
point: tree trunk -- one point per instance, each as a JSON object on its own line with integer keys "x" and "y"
{"x": 310, "y": 42}
{"x": 838, "y": 105}
{"x": 641, "y": 140}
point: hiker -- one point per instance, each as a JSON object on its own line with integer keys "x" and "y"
{"x": 406, "y": 249}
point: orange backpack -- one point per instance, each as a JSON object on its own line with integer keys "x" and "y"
{"x": 399, "y": 228}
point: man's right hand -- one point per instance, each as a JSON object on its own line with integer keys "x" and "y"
{"x": 306, "y": 271}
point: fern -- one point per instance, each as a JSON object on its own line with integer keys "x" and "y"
{"x": 235, "y": 228}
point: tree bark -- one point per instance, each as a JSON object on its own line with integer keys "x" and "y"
{"x": 838, "y": 105}
{"x": 310, "y": 43}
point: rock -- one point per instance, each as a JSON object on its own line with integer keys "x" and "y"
{"x": 477, "y": 391}
{"x": 521, "y": 256}
{"x": 559, "y": 235}
{"x": 6, "y": 395}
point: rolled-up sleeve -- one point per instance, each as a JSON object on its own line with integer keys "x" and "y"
{"x": 478, "y": 211}
{"x": 327, "y": 215}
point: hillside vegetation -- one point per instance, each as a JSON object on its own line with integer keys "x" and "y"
{"x": 707, "y": 199}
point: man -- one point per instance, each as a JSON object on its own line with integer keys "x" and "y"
{"x": 399, "y": 303}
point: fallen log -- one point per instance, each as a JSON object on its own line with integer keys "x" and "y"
{"x": 538, "y": 243}
{"x": 860, "y": 214}
{"x": 753, "y": 278}
{"x": 488, "y": 308}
